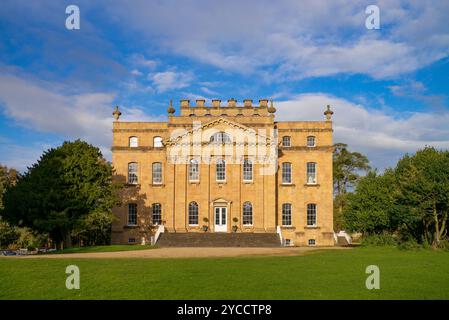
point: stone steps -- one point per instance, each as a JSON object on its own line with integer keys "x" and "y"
{"x": 196, "y": 239}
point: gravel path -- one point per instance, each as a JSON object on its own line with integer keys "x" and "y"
{"x": 187, "y": 253}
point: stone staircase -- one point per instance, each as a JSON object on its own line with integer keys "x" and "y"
{"x": 194, "y": 239}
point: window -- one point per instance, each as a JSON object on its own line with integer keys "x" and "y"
{"x": 132, "y": 214}
{"x": 132, "y": 173}
{"x": 286, "y": 214}
{"x": 286, "y": 141}
{"x": 157, "y": 142}
{"x": 157, "y": 173}
{"x": 311, "y": 141}
{"x": 133, "y": 142}
{"x": 194, "y": 170}
{"x": 247, "y": 213}
{"x": 247, "y": 170}
{"x": 220, "y": 137}
{"x": 193, "y": 213}
{"x": 287, "y": 242}
{"x": 131, "y": 240}
{"x": 311, "y": 214}
{"x": 286, "y": 172}
{"x": 311, "y": 172}
{"x": 221, "y": 170}
{"x": 311, "y": 242}
{"x": 156, "y": 213}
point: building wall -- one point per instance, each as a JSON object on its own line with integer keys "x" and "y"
{"x": 267, "y": 193}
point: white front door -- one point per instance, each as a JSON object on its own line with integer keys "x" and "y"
{"x": 221, "y": 221}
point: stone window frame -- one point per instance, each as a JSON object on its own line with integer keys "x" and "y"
{"x": 312, "y": 214}
{"x": 247, "y": 213}
{"x": 133, "y": 142}
{"x": 287, "y": 141}
{"x": 157, "y": 142}
{"x": 133, "y": 173}
{"x": 193, "y": 212}
{"x": 156, "y": 213}
{"x": 220, "y": 170}
{"x": 156, "y": 173}
{"x": 194, "y": 175}
{"x": 312, "y": 173}
{"x": 311, "y": 141}
{"x": 287, "y": 169}
{"x": 132, "y": 214}
{"x": 287, "y": 214}
{"x": 248, "y": 170}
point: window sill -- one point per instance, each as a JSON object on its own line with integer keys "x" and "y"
{"x": 130, "y": 226}
{"x": 157, "y": 185}
{"x": 134, "y": 185}
{"x": 248, "y": 181}
{"x": 311, "y": 227}
{"x": 221, "y": 181}
{"x": 288, "y": 227}
{"x": 194, "y": 181}
{"x": 312, "y": 185}
{"x": 287, "y": 184}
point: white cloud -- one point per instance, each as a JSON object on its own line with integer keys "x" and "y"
{"x": 296, "y": 39}
{"x": 86, "y": 116}
{"x": 170, "y": 80}
{"x": 382, "y": 136}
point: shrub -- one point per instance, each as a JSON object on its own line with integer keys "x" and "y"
{"x": 444, "y": 244}
{"x": 410, "y": 244}
{"x": 376, "y": 240}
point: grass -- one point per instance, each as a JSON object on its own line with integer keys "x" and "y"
{"x": 333, "y": 274}
{"x": 111, "y": 248}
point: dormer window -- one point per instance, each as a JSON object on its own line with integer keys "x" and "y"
{"x": 133, "y": 142}
{"x": 311, "y": 141}
{"x": 286, "y": 141}
{"x": 220, "y": 137}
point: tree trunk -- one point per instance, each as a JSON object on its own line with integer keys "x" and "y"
{"x": 67, "y": 240}
{"x": 437, "y": 227}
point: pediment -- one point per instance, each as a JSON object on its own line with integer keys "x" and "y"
{"x": 220, "y": 124}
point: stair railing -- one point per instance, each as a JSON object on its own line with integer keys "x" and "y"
{"x": 279, "y": 232}
{"x": 160, "y": 229}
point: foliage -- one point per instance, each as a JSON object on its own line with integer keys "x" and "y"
{"x": 8, "y": 178}
{"x": 8, "y": 234}
{"x": 368, "y": 209}
{"x": 64, "y": 187}
{"x": 347, "y": 167}
{"x": 379, "y": 240}
{"x": 412, "y": 199}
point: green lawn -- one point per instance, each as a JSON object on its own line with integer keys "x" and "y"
{"x": 337, "y": 274}
{"x": 110, "y": 248}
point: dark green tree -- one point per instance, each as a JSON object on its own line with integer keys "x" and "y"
{"x": 370, "y": 207}
{"x": 65, "y": 186}
{"x": 347, "y": 169}
{"x": 423, "y": 194}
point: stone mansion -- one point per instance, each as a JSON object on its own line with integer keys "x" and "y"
{"x": 224, "y": 169}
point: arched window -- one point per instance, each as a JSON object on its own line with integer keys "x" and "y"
{"x": 311, "y": 173}
{"x": 286, "y": 141}
{"x": 157, "y": 142}
{"x": 286, "y": 214}
{"x": 132, "y": 173}
{"x": 220, "y": 137}
{"x": 311, "y": 214}
{"x": 133, "y": 142}
{"x": 193, "y": 213}
{"x": 156, "y": 213}
{"x": 247, "y": 170}
{"x": 132, "y": 214}
{"x": 157, "y": 173}
{"x": 311, "y": 141}
{"x": 220, "y": 170}
{"x": 286, "y": 172}
{"x": 247, "y": 213}
{"x": 193, "y": 170}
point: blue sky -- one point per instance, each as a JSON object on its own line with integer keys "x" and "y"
{"x": 388, "y": 87}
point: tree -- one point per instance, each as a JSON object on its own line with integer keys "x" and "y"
{"x": 8, "y": 177}
{"x": 347, "y": 167}
{"x": 57, "y": 193}
{"x": 370, "y": 208}
{"x": 423, "y": 197}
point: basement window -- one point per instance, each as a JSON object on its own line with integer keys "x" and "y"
{"x": 312, "y": 242}
{"x": 287, "y": 242}
{"x": 131, "y": 240}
